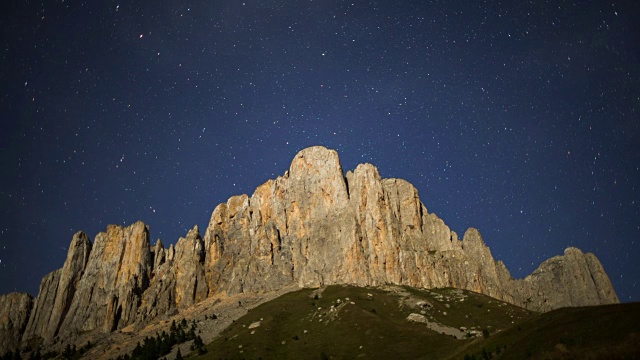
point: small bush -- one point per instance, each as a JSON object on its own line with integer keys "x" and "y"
{"x": 36, "y": 355}
{"x": 486, "y": 355}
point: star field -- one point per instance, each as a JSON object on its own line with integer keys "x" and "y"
{"x": 520, "y": 119}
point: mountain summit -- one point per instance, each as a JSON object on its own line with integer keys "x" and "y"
{"x": 311, "y": 227}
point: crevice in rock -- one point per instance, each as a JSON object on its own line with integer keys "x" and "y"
{"x": 346, "y": 186}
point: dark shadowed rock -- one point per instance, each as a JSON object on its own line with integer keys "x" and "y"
{"x": 191, "y": 286}
{"x": 158, "y": 253}
{"x": 14, "y": 314}
{"x": 38, "y": 324}
{"x": 56, "y": 293}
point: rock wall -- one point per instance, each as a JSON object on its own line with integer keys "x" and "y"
{"x": 111, "y": 288}
{"x": 57, "y": 290}
{"x": 14, "y": 314}
{"x": 575, "y": 279}
{"x": 313, "y": 226}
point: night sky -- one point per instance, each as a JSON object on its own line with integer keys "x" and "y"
{"x": 521, "y": 119}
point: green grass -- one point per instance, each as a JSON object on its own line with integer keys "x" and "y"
{"x": 375, "y": 325}
{"x": 598, "y": 332}
{"x": 293, "y": 326}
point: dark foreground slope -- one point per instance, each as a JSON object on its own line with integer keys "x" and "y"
{"x": 343, "y": 322}
{"x": 594, "y": 332}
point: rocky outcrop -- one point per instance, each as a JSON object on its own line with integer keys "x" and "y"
{"x": 38, "y": 324}
{"x": 116, "y": 275}
{"x": 315, "y": 226}
{"x": 311, "y": 227}
{"x": 191, "y": 286}
{"x": 14, "y": 314}
{"x": 158, "y": 253}
{"x": 57, "y": 290}
{"x": 575, "y": 279}
{"x": 178, "y": 281}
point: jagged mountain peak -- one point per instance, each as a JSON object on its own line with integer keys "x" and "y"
{"x": 314, "y": 226}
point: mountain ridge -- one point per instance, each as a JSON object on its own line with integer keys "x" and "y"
{"x": 311, "y": 227}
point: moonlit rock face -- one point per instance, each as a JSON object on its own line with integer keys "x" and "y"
{"x": 14, "y": 314}
{"x": 191, "y": 287}
{"x": 312, "y": 227}
{"x": 315, "y": 226}
{"x": 57, "y": 291}
{"x": 117, "y": 273}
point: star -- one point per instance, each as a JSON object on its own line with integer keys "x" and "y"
{"x": 486, "y": 111}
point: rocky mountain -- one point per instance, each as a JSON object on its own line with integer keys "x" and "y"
{"x": 14, "y": 314}
{"x": 314, "y": 226}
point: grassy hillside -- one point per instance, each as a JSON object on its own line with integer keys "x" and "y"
{"x": 598, "y": 332}
{"x": 392, "y": 322}
{"x": 344, "y": 322}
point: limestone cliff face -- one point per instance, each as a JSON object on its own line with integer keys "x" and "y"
{"x": 191, "y": 287}
{"x": 575, "y": 279}
{"x": 57, "y": 291}
{"x": 313, "y": 226}
{"x": 116, "y": 275}
{"x": 37, "y": 327}
{"x": 14, "y": 314}
{"x": 178, "y": 281}
{"x": 158, "y": 253}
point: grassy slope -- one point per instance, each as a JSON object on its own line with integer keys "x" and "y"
{"x": 298, "y": 326}
{"x": 372, "y": 324}
{"x": 599, "y": 332}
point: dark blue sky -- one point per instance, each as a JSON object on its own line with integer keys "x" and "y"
{"x": 519, "y": 119}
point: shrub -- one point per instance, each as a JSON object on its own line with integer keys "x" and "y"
{"x": 486, "y": 355}
{"x": 36, "y": 355}
{"x": 69, "y": 352}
